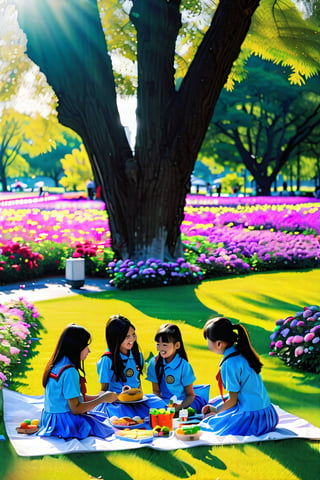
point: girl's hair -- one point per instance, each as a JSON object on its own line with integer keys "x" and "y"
{"x": 72, "y": 341}
{"x": 116, "y": 331}
{"x": 168, "y": 333}
{"x": 221, "y": 328}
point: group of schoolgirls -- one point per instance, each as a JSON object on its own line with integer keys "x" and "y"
{"x": 69, "y": 412}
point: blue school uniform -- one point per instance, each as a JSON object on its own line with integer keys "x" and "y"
{"x": 132, "y": 378}
{"x": 254, "y": 414}
{"x": 57, "y": 418}
{"x": 176, "y": 375}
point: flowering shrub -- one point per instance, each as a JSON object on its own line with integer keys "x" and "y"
{"x": 19, "y": 262}
{"x": 96, "y": 256}
{"x": 221, "y": 237}
{"x": 152, "y": 273}
{"x": 296, "y": 340}
{"x": 19, "y": 322}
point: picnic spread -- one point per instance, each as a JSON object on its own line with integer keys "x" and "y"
{"x": 183, "y": 434}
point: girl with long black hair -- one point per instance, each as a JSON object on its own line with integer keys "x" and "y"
{"x": 171, "y": 374}
{"x": 66, "y": 401}
{"x": 121, "y": 367}
{"x": 247, "y": 409}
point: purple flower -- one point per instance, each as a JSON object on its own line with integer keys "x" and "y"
{"x": 285, "y": 332}
{"x": 300, "y": 324}
{"x": 315, "y": 329}
{"x": 316, "y": 340}
{"x": 279, "y": 344}
{"x": 307, "y": 313}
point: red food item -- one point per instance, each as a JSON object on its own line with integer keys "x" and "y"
{"x": 129, "y": 421}
{"x": 24, "y": 425}
{"x": 31, "y": 427}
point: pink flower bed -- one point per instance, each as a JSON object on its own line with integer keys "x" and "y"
{"x": 19, "y": 322}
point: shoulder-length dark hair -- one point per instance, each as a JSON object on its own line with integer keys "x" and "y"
{"x": 72, "y": 341}
{"x": 221, "y": 328}
{"x": 116, "y": 331}
{"x": 168, "y": 333}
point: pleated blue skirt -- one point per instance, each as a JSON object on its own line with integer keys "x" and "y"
{"x": 233, "y": 422}
{"x": 67, "y": 425}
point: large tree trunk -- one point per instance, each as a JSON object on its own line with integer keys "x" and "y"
{"x": 144, "y": 193}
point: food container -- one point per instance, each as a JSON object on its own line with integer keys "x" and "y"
{"x": 161, "y": 417}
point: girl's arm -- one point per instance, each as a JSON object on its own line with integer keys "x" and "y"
{"x": 156, "y": 389}
{"x": 229, "y": 403}
{"x": 104, "y": 387}
{"x": 78, "y": 407}
{"x": 190, "y": 396}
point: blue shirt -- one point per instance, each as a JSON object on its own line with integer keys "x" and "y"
{"x": 107, "y": 375}
{"x": 176, "y": 376}
{"x": 57, "y": 392}
{"x": 238, "y": 376}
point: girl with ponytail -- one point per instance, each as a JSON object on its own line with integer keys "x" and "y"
{"x": 247, "y": 409}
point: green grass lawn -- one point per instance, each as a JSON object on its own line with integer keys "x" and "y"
{"x": 257, "y": 301}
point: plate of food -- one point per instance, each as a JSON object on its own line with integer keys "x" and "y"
{"x": 127, "y": 422}
{"x": 143, "y": 399}
{"x": 28, "y": 426}
{"x": 131, "y": 395}
{"x": 140, "y": 436}
{"x": 188, "y": 433}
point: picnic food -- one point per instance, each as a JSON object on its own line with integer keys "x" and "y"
{"x": 28, "y": 426}
{"x": 161, "y": 417}
{"x": 126, "y": 421}
{"x": 135, "y": 434}
{"x": 130, "y": 394}
{"x": 161, "y": 431}
{"x": 188, "y": 432}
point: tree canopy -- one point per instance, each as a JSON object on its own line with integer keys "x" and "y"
{"x": 264, "y": 121}
{"x": 182, "y": 53}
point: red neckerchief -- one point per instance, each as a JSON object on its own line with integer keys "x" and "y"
{"x": 82, "y": 380}
{"x": 83, "y": 387}
{"x": 219, "y": 377}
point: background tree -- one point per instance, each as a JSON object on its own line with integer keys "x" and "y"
{"x": 263, "y": 121}
{"x": 145, "y": 190}
{"x": 11, "y": 142}
{"x": 77, "y": 170}
{"x": 49, "y": 163}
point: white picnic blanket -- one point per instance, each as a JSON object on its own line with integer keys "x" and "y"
{"x": 18, "y": 406}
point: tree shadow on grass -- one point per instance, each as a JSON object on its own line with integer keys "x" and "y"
{"x": 204, "y": 455}
{"x": 100, "y": 464}
{"x": 296, "y": 455}
{"x": 171, "y": 304}
{"x": 97, "y": 465}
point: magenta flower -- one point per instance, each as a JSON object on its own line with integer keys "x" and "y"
{"x": 309, "y": 337}
{"x": 279, "y": 344}
{"x": 298, "y": 351}
{"x": 297, "y": 339}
